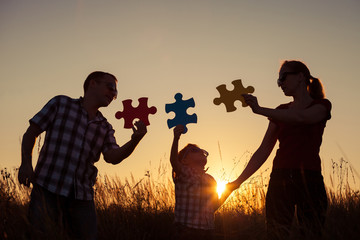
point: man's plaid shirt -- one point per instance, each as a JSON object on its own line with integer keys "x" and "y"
{"x": 71, "y": 147}
{"x": 195, "y": 199}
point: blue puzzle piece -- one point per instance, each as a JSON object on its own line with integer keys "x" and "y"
{"x": 179, "y": 108}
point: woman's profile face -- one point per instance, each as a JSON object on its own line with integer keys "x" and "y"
{"x": 288, "y": 80}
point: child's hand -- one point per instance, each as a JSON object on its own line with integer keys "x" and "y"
{"x": 178, "y": 130}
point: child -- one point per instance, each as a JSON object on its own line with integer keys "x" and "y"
{"x": 196, "y": 199}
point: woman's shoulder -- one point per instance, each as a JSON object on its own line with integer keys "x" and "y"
{"x": 284, "y": 105}
{"x": 324, "y": 102}
{"x": 321, "y": 100}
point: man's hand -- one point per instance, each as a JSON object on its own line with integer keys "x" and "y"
{"x": 26, "y": 174}
{"x": 117, "y": 155}
{"x": 139, "y": 130}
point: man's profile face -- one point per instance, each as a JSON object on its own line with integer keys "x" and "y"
{"x": 106, "y": 90}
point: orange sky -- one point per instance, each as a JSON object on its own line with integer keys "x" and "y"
{"x": 159, "y": 48}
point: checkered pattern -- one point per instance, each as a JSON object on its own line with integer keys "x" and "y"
{"x": 195, "y": 195}
{"x": 72, "y": 145}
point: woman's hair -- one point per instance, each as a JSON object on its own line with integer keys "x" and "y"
{"x": 314, "y": 85}
{"x": 97, "y": 75}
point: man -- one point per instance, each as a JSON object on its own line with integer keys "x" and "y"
{"x": 76, "y": 135}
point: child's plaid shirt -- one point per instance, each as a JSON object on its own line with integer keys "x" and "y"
{"x": 195, "y": 198}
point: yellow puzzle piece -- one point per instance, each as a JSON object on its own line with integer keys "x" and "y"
{"x": 229, "y": 97}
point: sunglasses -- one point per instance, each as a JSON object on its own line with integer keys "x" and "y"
{"x": 282, "y": 78}
{"x": 196, "y": 150}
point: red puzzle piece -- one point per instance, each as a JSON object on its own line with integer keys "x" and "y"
{"x": 130, "y": 113}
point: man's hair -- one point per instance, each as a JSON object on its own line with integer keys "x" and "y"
{"x": 97, "y": 75}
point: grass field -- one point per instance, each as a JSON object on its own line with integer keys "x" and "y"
{"x": 143, "y": 208}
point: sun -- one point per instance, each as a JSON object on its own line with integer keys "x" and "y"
{"x": 220, "y": 187}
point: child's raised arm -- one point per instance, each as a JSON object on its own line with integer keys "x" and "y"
{"x": 178, "y": 130}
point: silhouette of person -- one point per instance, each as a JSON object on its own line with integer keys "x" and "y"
{"x": 76, "y": 134}
{"x": 196, "y": 199}
{"x": 296, "y": 182}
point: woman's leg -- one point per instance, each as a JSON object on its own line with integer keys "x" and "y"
{"x": 312, "y": 206}
{"x": 280, "y": 208}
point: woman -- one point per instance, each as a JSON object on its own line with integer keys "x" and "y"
{"x": 296, "y": 178}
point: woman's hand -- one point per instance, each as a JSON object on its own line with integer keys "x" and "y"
{"x": 252, "y": 102}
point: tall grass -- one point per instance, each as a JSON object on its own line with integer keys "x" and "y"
{"x": 143, "y": 208}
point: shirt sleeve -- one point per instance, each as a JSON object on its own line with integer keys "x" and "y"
{"x": 282, "y": 106}
{"x": 110, "y": 141}
{"x": 327, "y": 104}
{"x": 47, "y": 114}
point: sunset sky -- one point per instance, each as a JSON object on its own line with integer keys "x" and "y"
{"x": 157, "y": 48}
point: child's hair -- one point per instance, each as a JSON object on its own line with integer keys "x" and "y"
{"x": 181, "y": 155}
{"x": 183, "y": 151}
{"x": 314, "y": 85}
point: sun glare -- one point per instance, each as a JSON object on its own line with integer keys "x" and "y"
{"x": 220, "y": 187}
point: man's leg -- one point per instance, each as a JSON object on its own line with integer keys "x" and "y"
{"x": 81, "y": 217}
{"x": 44, "y": 212}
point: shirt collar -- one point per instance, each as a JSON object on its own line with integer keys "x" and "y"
{"x": 99, "y": 117}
